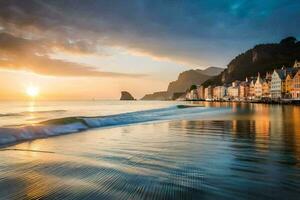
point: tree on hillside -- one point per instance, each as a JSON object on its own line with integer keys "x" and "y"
{"x": 193, "y": 87}
{"x": 288, "y": 41}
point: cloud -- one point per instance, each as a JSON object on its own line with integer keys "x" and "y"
{"x": 194, "y": 32}
{"x": 32, "y": 55}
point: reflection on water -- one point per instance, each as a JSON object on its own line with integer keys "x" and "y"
{"x": 251, "y": 153}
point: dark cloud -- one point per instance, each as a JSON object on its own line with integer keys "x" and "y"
{"x": 195, "y": 32}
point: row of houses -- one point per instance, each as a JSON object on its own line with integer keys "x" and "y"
{"x": 282, "y": 83}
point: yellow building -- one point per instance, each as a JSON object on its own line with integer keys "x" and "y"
{"x": 258, "y": 87}
{"x": 252, "y": 89}
{"x": 266, "y": 89}
{"x": 296, "y": 86}
{"x": 288, "y": 84}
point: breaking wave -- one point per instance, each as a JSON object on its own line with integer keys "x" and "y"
{"x": 76, "y": 124}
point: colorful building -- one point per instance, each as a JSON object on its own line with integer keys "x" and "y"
{"x": 258, "y": 92}
{"x": 192, "y": 95}
{"x": 219, "y": 92}
{"x": 244, "y": 88}
{"x": 200, "y": 91}
{"x": 277, "y": 84}
{"x": 266, "y": 89}
{"x": 252, "y": 89}
{"x": 233, "y": 90}
{"x": 288, "y": 86}
{"x": 296, "y": 86}
{"x": 208, "y": 93}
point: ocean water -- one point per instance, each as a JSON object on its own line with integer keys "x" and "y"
{"x": 149, "y": 150}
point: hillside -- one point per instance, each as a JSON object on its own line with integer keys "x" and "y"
{"x": 211, "y": 71}
{"x": 158, "y": 96}
{"x": 184, "y": 81}
{"x": 261, "y": 58}
{"x": 192, "y": 77}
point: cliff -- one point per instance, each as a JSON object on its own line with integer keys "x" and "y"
{"x": 192, "y": 77}
{"x": 262, "y": 58}
{"x": 159, "y": 96}
{"x": 126, "y": 96}
{"x": 184, "y": 82}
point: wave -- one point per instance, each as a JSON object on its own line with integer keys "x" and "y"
{"x": 68, "y": 125}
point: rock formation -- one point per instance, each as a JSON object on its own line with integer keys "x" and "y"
{"x": 126, "y": 96}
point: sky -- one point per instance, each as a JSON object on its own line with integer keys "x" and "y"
{"x": 93, "y": 49}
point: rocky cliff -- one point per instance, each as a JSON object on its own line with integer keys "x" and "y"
{"x": 126, "y": 96}
{"x": 192, "y": 77}
{"x": 262, "y": 58}
{"x": 184, "y": 82}
{"x": 159, "y": 96}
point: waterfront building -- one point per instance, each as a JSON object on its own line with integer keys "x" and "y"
{"x": 258, "y": 87}
{"x": 216, "y": 93}
{"x": 296, "y": 64}
{"x": 192, "y": 95}
{"x": 268, "y": 76}
{"x": 233, "y": 90}
{"x": 296, "y": 86}
{"x": 208, "y": 93}
{"x": 219, "y": 92}
{"x": 200, "y": 92}
{"x": 288, "y": 86}
{"x": 277, "y": 84}
{"x": 244, "y": 88}
{"x": 251, "y": 94}
{"x": 266, "y": 88}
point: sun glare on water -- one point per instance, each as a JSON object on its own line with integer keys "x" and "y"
{"x": 32, "y": 91}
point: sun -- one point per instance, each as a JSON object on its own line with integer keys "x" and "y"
{"x": 32, "y": 91}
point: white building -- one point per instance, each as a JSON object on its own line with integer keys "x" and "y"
{"x": 276, "y": 90}
{"x": 192, "y": 95}
{"x": 233, "y": 91}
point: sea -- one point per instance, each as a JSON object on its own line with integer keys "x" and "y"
{"x": 149, "y": 150}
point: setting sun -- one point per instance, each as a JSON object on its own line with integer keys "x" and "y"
{"x": 32, "y": 91}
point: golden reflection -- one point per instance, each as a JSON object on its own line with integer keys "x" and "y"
{"x": 296, "y": 125}
{"x": 31, "y": 109}
{"x": 31, "y": 106}
{"x": 234, "y": 126}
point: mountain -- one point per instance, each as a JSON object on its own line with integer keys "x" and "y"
{"x": 192, "y": 77}
{"x": 262, "y": 58}
{"x": 212, "y": 71}
{"x": 184, "y": 82}
{"x": 159, "y": 96}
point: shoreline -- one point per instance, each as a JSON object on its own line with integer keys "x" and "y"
{"x": 273, "y": 102}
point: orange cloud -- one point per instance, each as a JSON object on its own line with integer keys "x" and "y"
{"x": 33, "y": 55}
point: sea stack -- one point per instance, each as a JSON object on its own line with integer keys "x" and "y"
{"x": 126, "y": 96}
